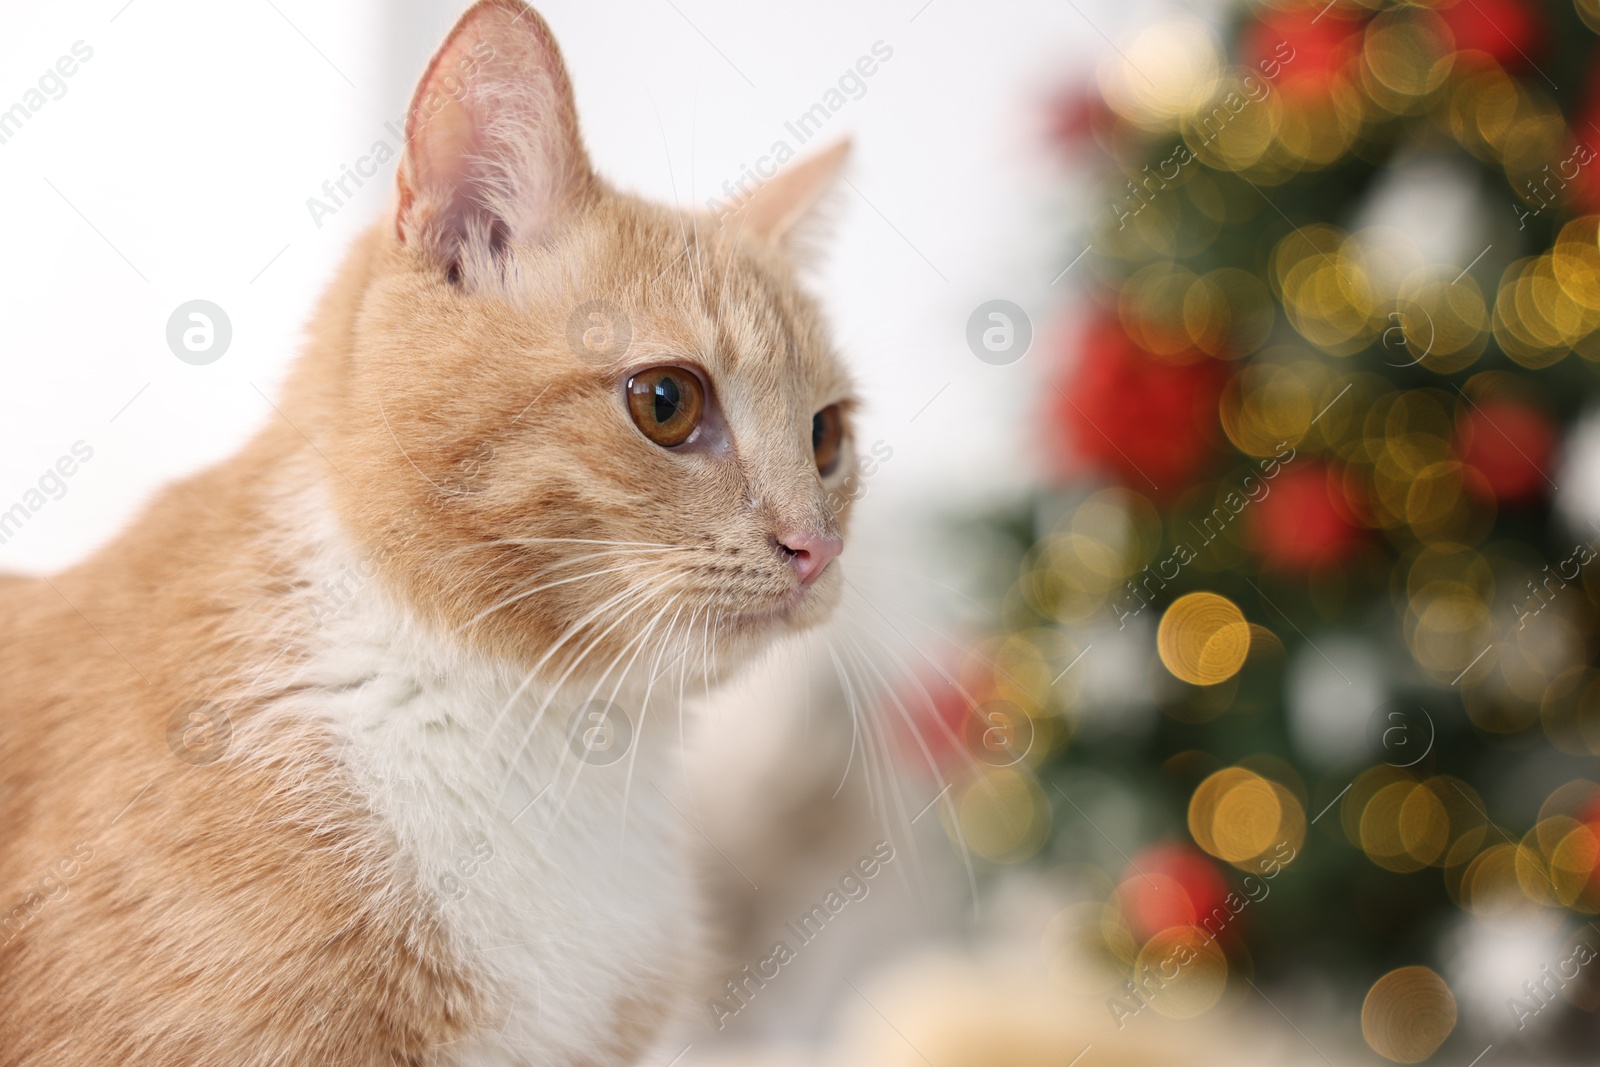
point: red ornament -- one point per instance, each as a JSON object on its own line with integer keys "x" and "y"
{"x": 1168, "y": 885}
{"x": 1300, "y": 524}
{"x": 1148, "y": 421}
{"x": 1075, "y": 115}
{"x": 1506, "y": 31}
{"x": 1589, "y": 812}
{"x": 1588, "y": 815}
{"x": 1584, "y": 188}
{"x": 1303, "y": 50}
{"x": 1510, "y": 444}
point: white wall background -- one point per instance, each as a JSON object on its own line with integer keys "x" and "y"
{"x": 178, "y": 161}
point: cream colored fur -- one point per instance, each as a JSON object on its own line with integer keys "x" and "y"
{"x": 562, "y": 882}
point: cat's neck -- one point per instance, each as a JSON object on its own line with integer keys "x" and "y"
{"x": 414, "y": 702}
{"x": 512, "y": 810}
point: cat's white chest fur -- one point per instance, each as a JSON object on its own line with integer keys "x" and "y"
{"x": 562, "y": 884}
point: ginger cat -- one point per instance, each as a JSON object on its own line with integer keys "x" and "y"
{"x": 305, "y": 768}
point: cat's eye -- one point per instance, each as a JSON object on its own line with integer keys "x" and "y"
{"x": 827, "y": 438}
{"x": 666, "y": 404}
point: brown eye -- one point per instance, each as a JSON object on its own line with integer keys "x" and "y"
{"x": 666, "y": 403}
{"x": 827, "y": 434}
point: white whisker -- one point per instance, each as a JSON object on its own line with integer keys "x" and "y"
{"x": 526, "y": 593}
{"x": 644, "y": 710}
{"x": 571, "y": 631}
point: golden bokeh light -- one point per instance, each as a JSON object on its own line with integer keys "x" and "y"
{"x": 1536, "y": 139}
{"x": 1291, "y": 827}
{"x": 1232, "y": 131}
{"x": 1203, "y": 639}
{"x": 1240, "y": 816}
{"x": 1492, "y": 885}
{"x": 1572, "y": 865}
{"x": 1589, "y": 11}
{"x": 1532, "y": 863}
{"x": 1575, "y": 261}
{"x": 1203, "y": 804}
{"x": 1173, "y": 312}
{"x": 1448, "y": 569}
{"x": 1246, "y": 819}
{"x": 1315, "y": 131}
{"x": 1540, "y": 315}
{"x": 1191, "y": 968}
{"x": 1072, "y": 573}
{"x": 1408, "y": 1014}
{"x": 1328, "y": 294}
{"x": 1366, "y": 786}
{"x": 1151, "y": 305}
{"x": 1503, "y": 121}
{"x": 1576, "y": 797}
{"x": 1268, "y": 406}
{"x": 1448, "y": 633}
{"x": 1021, "y": 672}
{"x": 1556, "y": 862}
{"x": 1404, "y": 825}
{"x": 1407, "y": 54}
{"x": 1004, "y": 816}
{"x": 1439, "y": 322}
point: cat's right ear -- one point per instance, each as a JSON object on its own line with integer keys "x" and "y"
{"x": 492, "y": 149}
{"x": 785, "y": 211}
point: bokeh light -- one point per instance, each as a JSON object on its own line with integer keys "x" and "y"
{"x": 1203, "y": 638}
{"x": 1191, "y": 969}
{"x": 1240, "y": 817}
{"x": 1004, "y": 816}
{"x": 1408, "y": 1014}
{"x": 1369, "y": 280}
{"x": 1169, "y": 70}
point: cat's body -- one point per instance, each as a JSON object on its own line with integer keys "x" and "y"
{"x": 533, "y": 928}
{"x": 200, "y": 895}
{"x": 288, "y": 772}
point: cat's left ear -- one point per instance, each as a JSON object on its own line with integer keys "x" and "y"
{"x": 492, "y": 148}
{"x": 782, "y": 208}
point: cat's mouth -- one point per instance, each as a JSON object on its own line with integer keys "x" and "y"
{"x": 803, "y": 606}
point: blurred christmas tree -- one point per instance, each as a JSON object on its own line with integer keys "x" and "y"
{"x": 1303, "y": 601}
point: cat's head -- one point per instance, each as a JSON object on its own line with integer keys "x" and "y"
{"x": 573, "y": 422}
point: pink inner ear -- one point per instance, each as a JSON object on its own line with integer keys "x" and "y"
{"x": 445, "y": 158}
{"x": 492, "y": 137}
{"x": 782, "y": 204}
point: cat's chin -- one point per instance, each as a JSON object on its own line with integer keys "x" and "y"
{"x": 806, "y": 607}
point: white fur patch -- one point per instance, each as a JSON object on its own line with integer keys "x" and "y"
{"x": 563, "y": 887}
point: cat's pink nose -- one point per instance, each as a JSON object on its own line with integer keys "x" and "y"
{"x": 809, "y": 553}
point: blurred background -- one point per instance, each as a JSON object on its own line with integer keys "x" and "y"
{"x": 1216, "y": 678}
